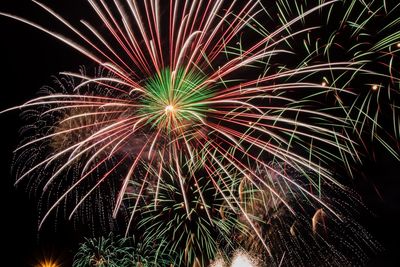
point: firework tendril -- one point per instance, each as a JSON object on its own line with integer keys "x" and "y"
{"x": 203, "y": 93}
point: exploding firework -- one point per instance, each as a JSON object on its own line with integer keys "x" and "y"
{"x": 292, "y": 238}
{"x": 204, "y": 92}
{"x": 103, "y": 251}
{"x": 367, "y": 33}
{"x": 213, "y": 100}
{"x": 196, "y": 238}
{"x": 300, "y": 238}
{"x": 119, "y": 252}
{"x": 62, "y": 129}
{"x": 375, "y": 108}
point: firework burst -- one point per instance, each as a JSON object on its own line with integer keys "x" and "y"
{"x": 194, "y": 238}
{"x": 367, "y": 33}
{"x": 297, "y": 240}
{"x": 101, "y": 252}
{"x": 200, "y": 90}
{"x": 198, "y": 104}
{"x": 119, "y": 252}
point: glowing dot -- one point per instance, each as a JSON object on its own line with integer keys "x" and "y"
{"x": 375, "y": 87}
{"x": 398, "y": 45}
{"x": 323, "y": 83}
{"x": 169, "y": 108}
{"x": 182, "y": 205}
{"x": 201, "y": 207}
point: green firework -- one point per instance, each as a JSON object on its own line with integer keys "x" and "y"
{"x": 194, "y": 238}
{"x": 175, "y": 98}
{"x": 102, "y": 252}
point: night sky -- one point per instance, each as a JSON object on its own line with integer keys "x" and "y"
{"x": 28, "y": 59}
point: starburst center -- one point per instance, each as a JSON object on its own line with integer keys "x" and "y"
{"x": 170, "y": 109}
{"x": 175, "y": 99}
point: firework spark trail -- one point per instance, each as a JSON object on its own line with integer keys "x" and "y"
{"x": 192, "y": 106}
{"x": 187, "y": 237}
{"x": 366, "y": 32}
{"x": 220, "y": 74}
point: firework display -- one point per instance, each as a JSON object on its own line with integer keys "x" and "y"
{"x": 296, "y": 239}
{"x": 119, "y": 252}
{"x": 196, "y": 238}
{"x": 103, "y": 251}
{"x": 215, "y": 132}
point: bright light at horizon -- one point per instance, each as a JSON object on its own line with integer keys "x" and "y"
{"x": 48, "y": 263}
{"x": 242, "y": 260}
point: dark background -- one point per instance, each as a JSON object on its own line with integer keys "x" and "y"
{"x": 28, "y": 59}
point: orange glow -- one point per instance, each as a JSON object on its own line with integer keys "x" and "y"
{"x": 48, "y": 263}
{"x": 375, "y": 87}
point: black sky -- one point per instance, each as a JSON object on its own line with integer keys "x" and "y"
{"x": 28, "y": 59}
